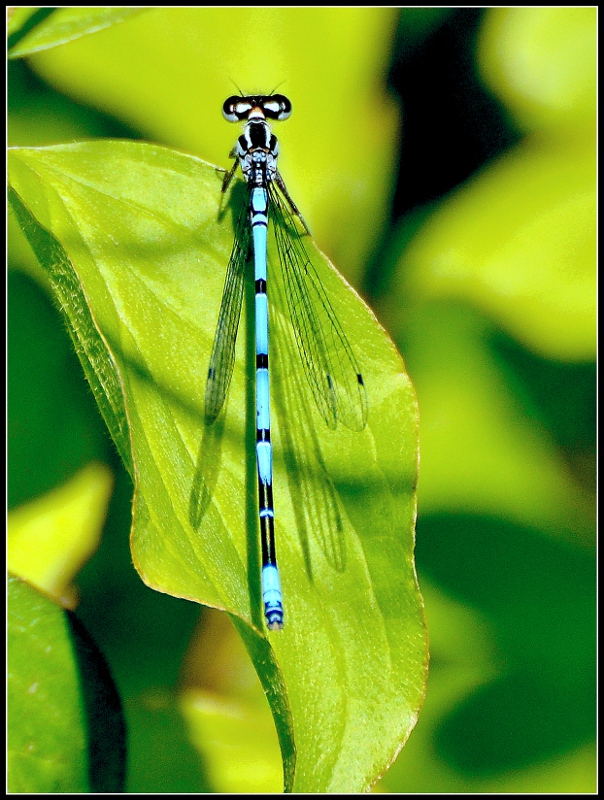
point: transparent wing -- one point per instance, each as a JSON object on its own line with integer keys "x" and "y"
{"x": 222, "y": 359}
{"x": 327, "y": 356}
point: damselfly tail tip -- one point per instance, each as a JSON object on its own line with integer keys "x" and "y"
{"x": 271, "y": 597}
{"x": 273, "y": 614}
{"x": 274, "y": 624}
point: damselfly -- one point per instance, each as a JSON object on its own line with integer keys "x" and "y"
{"x": 327, "y": 357}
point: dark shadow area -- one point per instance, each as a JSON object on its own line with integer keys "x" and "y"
{"x": 103, "y": 711}
{"x": 451, "y": 124}
{"x": 564, "y": 397}
{"x": 208, "y": 463}
{"x": 314, "y": 494}
{"x": 54, "y": 427}
{"x": 207, "y": 471}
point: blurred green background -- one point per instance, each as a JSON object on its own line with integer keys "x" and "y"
{"x": 445, "y": 160}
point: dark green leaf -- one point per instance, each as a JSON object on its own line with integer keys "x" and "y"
{"x": 65, "y": 728}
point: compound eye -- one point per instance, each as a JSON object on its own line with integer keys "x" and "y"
{"x": 277, "y": 106}
{"x": 236, "y": 108}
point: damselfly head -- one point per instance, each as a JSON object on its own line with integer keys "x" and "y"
{"x": 273, "y": 106}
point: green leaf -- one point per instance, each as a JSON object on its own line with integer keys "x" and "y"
{"x": 65, "y": 730}
{"x": 543, "y": 64}
{"x": 519, "y": 241}
{"x": 16, "y": 18}
{"x": 51, "y": 537}
{"x": 65, "y": 25}
{"x": 238, "y": 742}
{"x": 504, "y": 463}
{"x": 90, "y": 347}
{"x": 136, "y": 239}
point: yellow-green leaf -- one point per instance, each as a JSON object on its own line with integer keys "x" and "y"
{"x": 64, "y": 25}
{"x": 542, "y": 62}
{"x": 50, "y": 538}
{"x": 136, "y": 244}
{"x": 519, "y": 241}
